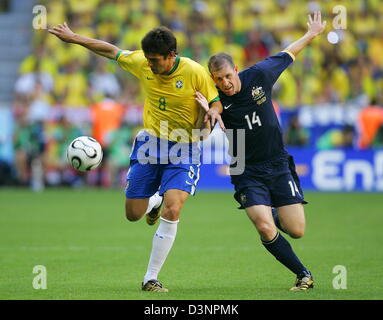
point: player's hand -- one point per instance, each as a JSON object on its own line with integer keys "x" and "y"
{"x": 202, "y": 101}
{"x": 63, "y": 32}
{"x": 214, "y": 116}
{"x": 315, "y": 24}
{"x": 211, "y": 113}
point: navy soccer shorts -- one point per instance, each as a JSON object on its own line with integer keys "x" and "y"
{"x": 272, "y": 183}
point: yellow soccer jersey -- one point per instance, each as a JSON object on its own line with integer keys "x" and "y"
{"x": 170, "y": 99}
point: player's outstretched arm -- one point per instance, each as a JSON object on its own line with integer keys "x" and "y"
{"x": 105, "y": 49}
{"x": 315, "y": 28}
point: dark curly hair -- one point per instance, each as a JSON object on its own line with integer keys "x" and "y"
{"x": 160, "y": 40}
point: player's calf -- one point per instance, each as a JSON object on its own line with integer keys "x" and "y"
{"x": 292, "y": 220}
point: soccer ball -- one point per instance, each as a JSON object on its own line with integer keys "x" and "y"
{"x": 84, "y": 153}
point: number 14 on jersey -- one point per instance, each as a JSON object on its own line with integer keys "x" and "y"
{"x": 254, "y": 120}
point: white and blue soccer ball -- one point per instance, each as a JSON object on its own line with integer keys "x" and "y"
{"x": 84, "y": 153}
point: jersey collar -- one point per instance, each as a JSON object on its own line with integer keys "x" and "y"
{"x": 177, "y": 62}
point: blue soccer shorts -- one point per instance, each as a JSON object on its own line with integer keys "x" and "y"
{"x": 145, "y": 179}
{"x": 272, "y": 183}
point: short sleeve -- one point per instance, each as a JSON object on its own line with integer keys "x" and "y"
{"x": 273, "y": 66}
{"x": 131, "y": 61}
{"x": 206, "y": 85}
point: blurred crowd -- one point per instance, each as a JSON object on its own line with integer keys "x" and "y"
{"x": 64, "y": 91}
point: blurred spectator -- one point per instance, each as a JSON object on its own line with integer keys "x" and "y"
{"x": 120, "y": 144}
{"x": 71, "y": 86}
{"x": 29, "y": 145}
{"x": 296, "y": 135}
{"x": 38, "y": 105}
{"x": 59, "y": 83}
{"x": 370, "y": 120}
{"x": 255, "y": 49}
{"x": 378, "y": 139}
{"x": 27, "y": 83}
{"x": 103, "y": 82}
{"x": 6, "y": 177}
{"x": 6, "y": 146}
{"x": 337, "y": 138}
{"x": 40, "y": 60}
{"x": 59, "y": 134}
{"x": 174, "y": 22}
{"x": 332, "y": 138}
{"x": 106, "y": 117}
{"x": 4, "y": 5}
{"x": 348, "y": 136}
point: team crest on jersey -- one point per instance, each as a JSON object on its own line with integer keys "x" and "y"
{"x": 258, "y": 94}
{"x": 179, "y": 84}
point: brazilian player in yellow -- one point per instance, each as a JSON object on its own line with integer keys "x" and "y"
{"x": 169, "y": 97}
{"x": 171, "y": 112}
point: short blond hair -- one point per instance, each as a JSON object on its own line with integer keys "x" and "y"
{"x": 217, "y": 61}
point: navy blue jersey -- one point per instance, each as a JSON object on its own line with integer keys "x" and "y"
{"x": 251, "y": 109}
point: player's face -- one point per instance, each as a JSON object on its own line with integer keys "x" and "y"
{"x": 227, "y": 79}
{"x": 160, "y": 64}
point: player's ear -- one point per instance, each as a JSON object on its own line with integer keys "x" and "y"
{"x": 236, "y": 68}
{"x": 171, "y": 54}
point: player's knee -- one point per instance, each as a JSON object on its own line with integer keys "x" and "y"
{"x": 172, "y": 212}
{"x": 132, "y": 214}
{"x": 132, "y": 218}
{"x": 266, "y": 230}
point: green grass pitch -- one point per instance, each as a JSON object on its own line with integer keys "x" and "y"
{"x": 91, "y": 251}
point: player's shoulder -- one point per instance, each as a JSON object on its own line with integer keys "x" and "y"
{"x": 250, "y": 74}
{"x": 191, "y": 65}
{"x": 189, "y": 62}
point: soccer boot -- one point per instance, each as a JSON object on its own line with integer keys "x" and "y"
{"x": 152, "y": 216}
{"x": 304, "y": 282}
{"x": 153, "y": 285}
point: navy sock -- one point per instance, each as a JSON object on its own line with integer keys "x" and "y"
{"x": 276, "y": 219}
{"x": 282, "y": 251}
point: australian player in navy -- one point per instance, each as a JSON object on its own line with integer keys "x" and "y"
{"x": 269, "y": 179}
